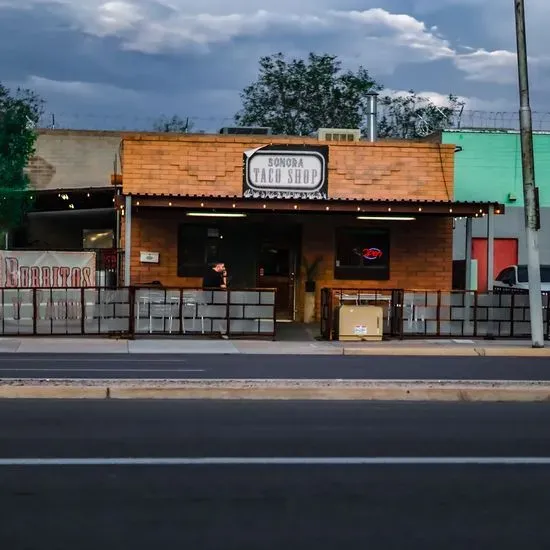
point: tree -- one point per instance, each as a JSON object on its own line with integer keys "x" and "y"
{"x": 410, "y": 116}
{"x": 20, "y": 112}
{"x": 298, "y": 97}
{"x": 174, "y": 125}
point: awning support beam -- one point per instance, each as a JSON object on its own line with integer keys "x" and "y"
{"x": 127, "y": 239}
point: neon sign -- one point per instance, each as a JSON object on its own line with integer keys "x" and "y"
{"x": 372, "y": 253}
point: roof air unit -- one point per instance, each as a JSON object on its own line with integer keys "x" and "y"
{"x": 338, "y": 134}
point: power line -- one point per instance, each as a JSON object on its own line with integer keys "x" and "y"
{"x": 120, "y": 122}
{"x": 459, "y": 119}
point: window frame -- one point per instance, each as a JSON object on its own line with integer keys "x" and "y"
{"x": 195, "y": 269}
{"x": 365, "y": 272}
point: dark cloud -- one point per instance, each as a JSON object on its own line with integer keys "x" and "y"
{"x": 128, "y": 89}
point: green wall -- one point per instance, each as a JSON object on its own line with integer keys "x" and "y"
{"x": 489, "y": 166}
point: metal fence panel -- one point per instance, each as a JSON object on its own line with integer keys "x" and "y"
{"x": 137, "y": 311}
{"x": 17, "y": 310}
{"x": 425, "y": 313}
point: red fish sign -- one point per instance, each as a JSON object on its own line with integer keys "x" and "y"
{"x": 372, "y": 253}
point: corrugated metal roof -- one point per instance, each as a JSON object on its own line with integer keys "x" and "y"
{"x": 330, "y": 199}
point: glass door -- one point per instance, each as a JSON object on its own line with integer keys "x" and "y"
{"x": 276, "y": 269}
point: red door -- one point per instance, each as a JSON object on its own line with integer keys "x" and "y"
{"x": 506, "y": 253}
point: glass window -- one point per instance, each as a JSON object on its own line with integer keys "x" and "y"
{"x": 275, "y": 262}
{"x": 362, "y": 254}
{"x": 523, "y": 276}
{"x": 198, "y": 247}
{"x": 98, "y": 238}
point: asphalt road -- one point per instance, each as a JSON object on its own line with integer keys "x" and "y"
{"x": 272, "y": 366}
{"x": 243, "y": 506}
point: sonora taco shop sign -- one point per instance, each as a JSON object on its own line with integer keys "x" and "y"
{"x": 286, "y": 172}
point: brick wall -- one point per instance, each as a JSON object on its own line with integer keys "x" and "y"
{"x": 420, "y": 253}
{"x": 152, "y": 233}
{"x": 212, "y": 165}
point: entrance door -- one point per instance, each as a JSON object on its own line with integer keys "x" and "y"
{"x": 506, "y": 254}
{"x": 277, "y": 269}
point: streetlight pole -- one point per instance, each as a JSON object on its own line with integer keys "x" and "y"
{"x": 532, "y": 216}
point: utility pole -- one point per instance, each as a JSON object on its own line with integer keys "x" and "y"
{"x": 530, "y": 192}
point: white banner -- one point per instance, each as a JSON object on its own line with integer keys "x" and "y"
{"x": 46, "y": 269}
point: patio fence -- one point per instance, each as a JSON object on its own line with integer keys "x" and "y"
{"x": 424, "y": 313}
{"x": 146, "y": 310}
{"x": 137, "y": 310}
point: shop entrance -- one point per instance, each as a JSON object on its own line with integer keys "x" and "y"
{"x": 262, "y": 253}
{"x": 278, "y": 265}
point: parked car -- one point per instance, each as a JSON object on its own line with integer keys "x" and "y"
{"x": 515, "y": 277}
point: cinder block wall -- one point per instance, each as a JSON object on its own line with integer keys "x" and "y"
{"x": 74, "y": 159}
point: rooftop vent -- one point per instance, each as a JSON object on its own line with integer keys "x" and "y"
{"x": 246, "y": 131}
{"x": 338, "y": 134}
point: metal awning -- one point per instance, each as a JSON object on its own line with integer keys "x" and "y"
{"x": 334, "y": 205}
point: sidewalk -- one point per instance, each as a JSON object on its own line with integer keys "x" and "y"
{"x": 442, "y": 347}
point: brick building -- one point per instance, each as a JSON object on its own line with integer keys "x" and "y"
{"x": 376, "y": 215}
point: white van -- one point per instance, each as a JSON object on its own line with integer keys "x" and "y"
{"x": 515, "y": 277}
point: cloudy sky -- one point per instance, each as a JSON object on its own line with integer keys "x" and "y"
{"x": 121, "y": 63}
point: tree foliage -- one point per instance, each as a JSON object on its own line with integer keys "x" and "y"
{"x": 20, "y": 112}
{"x": 411, "y": 116}
{"x": 175, "y": 125}
{"x": 297, "y": 97}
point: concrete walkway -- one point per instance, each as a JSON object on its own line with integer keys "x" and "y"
{"x": 507, "y": 348}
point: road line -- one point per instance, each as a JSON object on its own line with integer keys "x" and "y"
{"x": 85, "y": 369}
{"x": 280, "y": 461}
{"x": 114, "y": 357}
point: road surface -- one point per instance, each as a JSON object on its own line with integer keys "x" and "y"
{"x": 238, "y": 505}
{"x": 273, "y": 366}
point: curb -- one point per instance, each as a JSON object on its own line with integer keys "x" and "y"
{"x": 349, "y": 394}
{"x": 449, "y": 391}
{"x": 413, "y": 351}
{"x": 450, "y": 352}
{"x": 52, "y": 392}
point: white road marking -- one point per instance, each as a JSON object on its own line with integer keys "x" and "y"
{"x": 280, "y": 461}
{"x": 85, "y": 369}
{"x": 114, "y": 357}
